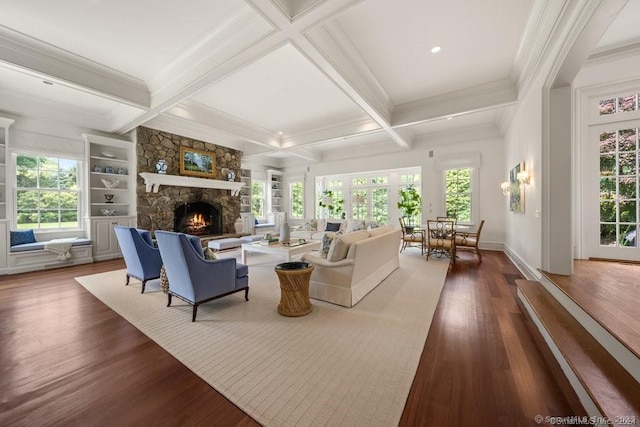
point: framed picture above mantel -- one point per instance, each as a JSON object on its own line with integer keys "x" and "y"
{"x": 197, "y": 162}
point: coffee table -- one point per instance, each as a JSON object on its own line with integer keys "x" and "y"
{"x": 279, "y": 249}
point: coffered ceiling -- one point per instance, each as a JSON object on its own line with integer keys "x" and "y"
{"x": 284, "y": 81}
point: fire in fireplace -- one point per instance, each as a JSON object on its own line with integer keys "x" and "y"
{"x": 198, "y": 218}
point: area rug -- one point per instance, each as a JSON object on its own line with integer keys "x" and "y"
{"x": 334, "y": 366}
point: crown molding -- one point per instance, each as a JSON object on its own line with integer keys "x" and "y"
{"x": 464, "y": 135}
{"x": 246, "y": 131}
{"x": 542, "y": 21}
{"x": 478, "y": 98}
{"x": 582, "y": 25}
{"x": 331, "y": 132}
{"x": 36, "y": 57}
{"x": 623, "y": 50}
{"x": 39, "y": 108}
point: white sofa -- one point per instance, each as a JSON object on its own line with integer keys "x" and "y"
{"x": 356, "y": 264}
{"x": 314, "y": 229}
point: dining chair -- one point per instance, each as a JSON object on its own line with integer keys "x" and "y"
{"x": 441, "y": 239}
{"x": 411, "y": 237}
{"x": 468, "y": 241}
{"x": 448, "y": 218}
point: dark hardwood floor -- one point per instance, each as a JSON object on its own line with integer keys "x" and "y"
{"x": 608, "y": 291}
{"x": 67, "y": 359}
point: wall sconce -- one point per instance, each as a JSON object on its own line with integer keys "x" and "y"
{"x": 523, "y": 177}
{"x": 506, "y": 188}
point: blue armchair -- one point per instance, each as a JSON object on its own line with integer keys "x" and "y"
{"x": 141, "y": 257}
{"x": 194, "y": 279}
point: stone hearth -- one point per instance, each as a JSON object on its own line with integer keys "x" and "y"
{"x": 156, "y": 210}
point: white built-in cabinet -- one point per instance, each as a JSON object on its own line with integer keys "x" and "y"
{"x": 275, "y": 191}
{"x": 105, "y": 243}
{"x": 111, "y": 160}
{"x": 248, "y": 222}
{"x": 4, "y": 193}
{"x": 245, "y": 191}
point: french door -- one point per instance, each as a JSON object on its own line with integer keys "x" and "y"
{"x": 614, "y": 220}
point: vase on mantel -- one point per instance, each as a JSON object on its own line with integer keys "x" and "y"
{"x": 238, "y": 226}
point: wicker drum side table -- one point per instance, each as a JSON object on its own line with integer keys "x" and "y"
{"x": 294, "y": 288}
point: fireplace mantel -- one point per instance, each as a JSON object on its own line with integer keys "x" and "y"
{"x": 153, "y": 181}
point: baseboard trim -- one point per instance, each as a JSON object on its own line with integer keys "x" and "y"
{"x": 527, "y": 271}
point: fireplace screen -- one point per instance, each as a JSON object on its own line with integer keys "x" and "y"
{"x": 198, "y": 218}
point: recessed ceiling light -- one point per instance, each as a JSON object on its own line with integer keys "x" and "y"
{"x": 280, "y": 133}
{"x": 436, "y": 49}
{"x": 449, "y": 118}
{"x": 47, "y": 82}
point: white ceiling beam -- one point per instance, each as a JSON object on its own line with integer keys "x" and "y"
{"x": 30, "y": 106}
{"x": 32, "y": 56}
{"x": 343, "y": 67}
{"x": 488, "y": 96}
{"x": 592, "y": 21}
{"x": 243, "y": 58}
{"x": 193, "y": 110}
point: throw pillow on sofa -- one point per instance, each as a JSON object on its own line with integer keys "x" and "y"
{"x": 326, "y": 244}
{"x": 358, "y": 224}
{"x": 341, "y": 244}
{"x": 310, "y": 225}
{"x": 332, "y": 226}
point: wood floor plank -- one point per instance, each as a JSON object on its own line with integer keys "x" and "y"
{"x": 67, "y": 359}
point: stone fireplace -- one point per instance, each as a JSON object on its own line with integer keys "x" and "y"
{"x": 157, "y": 211}
{"x": 198, "y": 218}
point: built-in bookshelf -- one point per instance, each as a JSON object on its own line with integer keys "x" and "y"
{"x": 4, "y": 193}
{"x": 245, "y": 191}
{"x": 111, "y": 197}
{"x": 275, "y": 192}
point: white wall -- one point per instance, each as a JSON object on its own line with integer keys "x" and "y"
{"x": 523, "y": 143}
{"x": 492, "y": 204}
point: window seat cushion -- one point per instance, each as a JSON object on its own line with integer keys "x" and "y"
{"x": 264, "y": 225}
{"x": 26, "y": 247}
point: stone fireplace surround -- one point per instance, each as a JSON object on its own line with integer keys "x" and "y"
{"x": 156, "y": 210}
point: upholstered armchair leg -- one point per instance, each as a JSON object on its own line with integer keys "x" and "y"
{"x": 479, "y": 255}
{"x": 195, "y": 310}
{"x": 127, "y": 283}
{"x": 246, "y": 294}
{"x": 169, "y": 301}
{"x": 144, "y": 283}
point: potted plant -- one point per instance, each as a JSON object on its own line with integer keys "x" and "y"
{"x": 410, "y": 203}
{"x": 330, "y": 203}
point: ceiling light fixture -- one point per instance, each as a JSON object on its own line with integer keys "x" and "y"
{"x": 449, "y": 118}
{"x": 47, "y": 82}
{"x": 280, "y": 133}
{"x": 436, "y": 49}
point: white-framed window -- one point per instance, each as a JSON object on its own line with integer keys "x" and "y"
{"x": 47, "y": 194}
{"x": 258, "y": 195}
{"x": 296, "y": 198}
{"x": 459, "y": 185}
{"x": 458, "y": 200}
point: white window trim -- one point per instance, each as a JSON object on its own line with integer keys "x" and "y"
{"x": 461, "y": 161}
{"x": 587, "y": 123}
{"x": 12, "y": 191}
